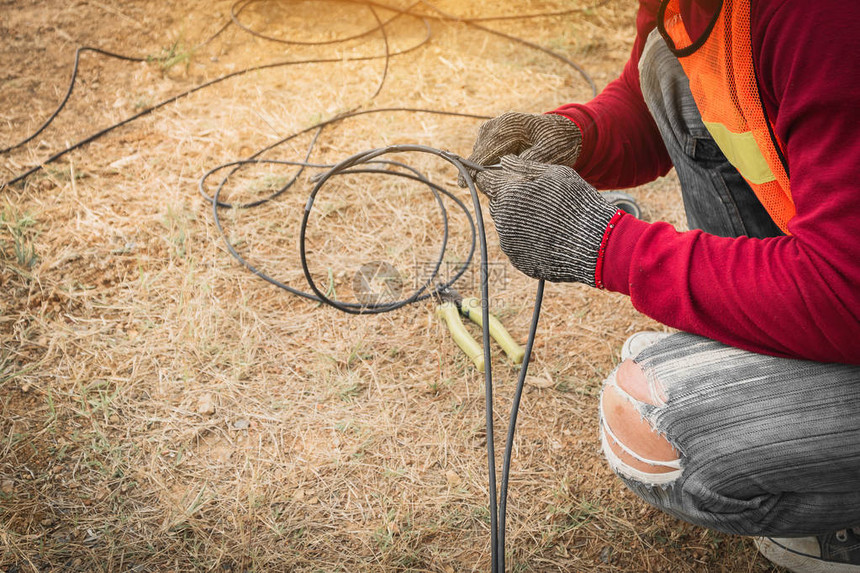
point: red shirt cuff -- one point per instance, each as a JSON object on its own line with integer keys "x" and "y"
{"x": 618, "y": 253}
{"x": 601, "y": 251}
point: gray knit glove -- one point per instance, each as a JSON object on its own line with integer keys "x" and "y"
{"x": 546, "y": 138}
{"x": 550, "y": 222}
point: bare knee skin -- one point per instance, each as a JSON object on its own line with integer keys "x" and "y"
{"x": 628, "y": 427}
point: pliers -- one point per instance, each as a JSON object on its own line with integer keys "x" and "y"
{"x": 452, "y": 305}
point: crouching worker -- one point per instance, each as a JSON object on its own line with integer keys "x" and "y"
{"x": 747, "y": 421}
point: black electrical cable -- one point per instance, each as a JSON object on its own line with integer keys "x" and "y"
{"x": 352, "y": 164}
{"x": 474, "y": 24}
{"x": 147, "y": 111}
{"x": 238, "y": 7}
{"x": 498, "y": 496}
{"x": 364, "y": 162}
{"x": 512, "y": 423}
{"x": 68, "y": 95}
{"x": 235, "y": 10}
{"x": 420, "y": 294}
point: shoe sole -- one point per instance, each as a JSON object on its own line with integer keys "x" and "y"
{"x": 799, "y": 562}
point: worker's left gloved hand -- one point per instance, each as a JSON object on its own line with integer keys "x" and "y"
{"x": 546, "y": 137}
{"x": 550, "y": 222}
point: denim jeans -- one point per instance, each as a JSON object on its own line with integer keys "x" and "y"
{"x": 768, "y": 446}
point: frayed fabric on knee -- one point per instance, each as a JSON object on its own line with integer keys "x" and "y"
{"x": 618, "y": 465}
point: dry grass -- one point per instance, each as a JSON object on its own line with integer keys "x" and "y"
{"x": 164, "y": 410}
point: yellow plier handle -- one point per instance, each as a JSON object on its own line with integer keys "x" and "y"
{"x": 471, "y": 308}
{"x": 449, "y": 312}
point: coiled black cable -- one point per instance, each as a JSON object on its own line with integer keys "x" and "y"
{"x": 498, "y": 496}
{"x": 360, "y": 163}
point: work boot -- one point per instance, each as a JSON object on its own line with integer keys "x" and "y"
{"x": 837, "y": 552}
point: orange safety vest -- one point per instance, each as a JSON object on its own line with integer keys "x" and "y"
{"x": 723, "y": 81}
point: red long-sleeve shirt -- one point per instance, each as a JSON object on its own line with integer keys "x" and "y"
{"x": 797, "y": 295}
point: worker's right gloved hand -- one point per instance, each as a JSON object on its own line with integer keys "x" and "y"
{"x": 551, "y": 222}
{"x": 545, "y": 138}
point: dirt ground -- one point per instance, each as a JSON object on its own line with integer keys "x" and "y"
{"x": 163, "y": 409}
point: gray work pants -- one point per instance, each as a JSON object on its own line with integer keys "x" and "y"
{"x": 769, "y": 446}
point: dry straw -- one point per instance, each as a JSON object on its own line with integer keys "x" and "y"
{"x": 164, "y": 410}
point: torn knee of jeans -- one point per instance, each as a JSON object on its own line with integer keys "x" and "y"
{"x": 639, "y": 383}
{"x": 631, "y": 465}
{"x": 636, "y": 450}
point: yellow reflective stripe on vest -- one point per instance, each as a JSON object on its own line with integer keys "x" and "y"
{"x": 743, "y": 152}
